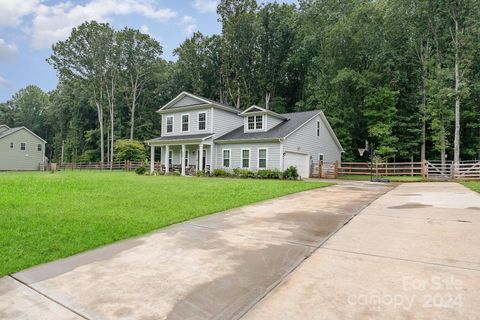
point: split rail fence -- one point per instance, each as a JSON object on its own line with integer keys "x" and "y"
{"x": 116, "y": 165}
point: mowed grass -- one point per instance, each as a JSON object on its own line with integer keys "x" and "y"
{"x": 474, "y": 185}
{"x": 46, "y": 216}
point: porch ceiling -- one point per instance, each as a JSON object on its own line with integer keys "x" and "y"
{"x": 183, "y": 139}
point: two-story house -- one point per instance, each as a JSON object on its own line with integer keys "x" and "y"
{"x": 201, "y": 134}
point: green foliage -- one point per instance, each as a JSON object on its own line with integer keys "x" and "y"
{"x": 131, "y": 150}
{"x": 269, "y": 174}
{"x": 291, "y": 173}
{"x": 140, "y": 170}
{"x": 244, "y": 173}
{"x": 220, "y": 173}
{"x": 201, "y": 173}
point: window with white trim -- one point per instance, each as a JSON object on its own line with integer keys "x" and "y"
{"x": 169, "y": 124}
{"x": 39, "y": 147}
{"x": 170, "y": 157}
{"x": 11, "y": 145}
{"x": 258, "y": 122}
{"x": 202, "y": 121}
{"x": 226, "y": 158}
{"x": 245, "y": 158}
{"x": 186, "y": 158}
{"x": 320, "y": 157}
{"x": 262, "y": 158}
{"x": 318, "y": 128}
{"x": 185, "y": 122}
{"x": 255, "y": 122}
{"x": 22, "y": 146}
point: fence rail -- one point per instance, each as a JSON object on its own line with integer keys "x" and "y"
{"x": 116, "y": 165}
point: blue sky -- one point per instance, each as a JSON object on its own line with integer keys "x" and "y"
{"x": 28, "y": 28}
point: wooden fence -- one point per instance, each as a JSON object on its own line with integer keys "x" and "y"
{"x": 116, "y": 165}
{"x": 428, "y": 170}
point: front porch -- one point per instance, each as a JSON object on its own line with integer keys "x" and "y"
{"x": 181, "y": 156}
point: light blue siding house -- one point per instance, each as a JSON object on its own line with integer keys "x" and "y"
{"x": 201, "y": 134}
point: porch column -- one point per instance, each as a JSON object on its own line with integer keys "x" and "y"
{"x": 167, "y": 157}
{"x": 211, "y": 158}
{"x": 152, "y": 158}
{"x": 183, "y": 159}
{"x": 200, "y": 156}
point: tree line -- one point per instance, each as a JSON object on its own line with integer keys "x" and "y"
{"x": 402, "y": 74}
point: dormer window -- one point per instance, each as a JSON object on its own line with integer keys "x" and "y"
{"x": 185, "y": 122}
{"x": 255, "y": 122}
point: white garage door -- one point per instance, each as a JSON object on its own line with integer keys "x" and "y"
{"x": 299, "y": 160}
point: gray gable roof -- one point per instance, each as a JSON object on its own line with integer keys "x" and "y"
{"x": 281, "y": 130}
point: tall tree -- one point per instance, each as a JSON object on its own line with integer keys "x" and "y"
{"x": 140, "y": 53}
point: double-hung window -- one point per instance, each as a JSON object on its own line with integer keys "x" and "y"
{"x": 318, "y": 128}
{"x": 22, "y": 146}
{"x": 245, "y": 158}
{"x": 255, "y": 122}
{"x": 320, "y": 157}
{"x": 169, "y": 124}
{"x": 262, "y": 158}
{"x": 185, "y": 122}
{"x": 202, "y": 121}
{"x": 11, "y": 145}
{"x": 39, "y": 147}
{"x": 226, "y": 158}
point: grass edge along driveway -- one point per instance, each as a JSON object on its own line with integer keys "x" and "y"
{"x": 474, "y": 185}
{"x": 44, "y": 216}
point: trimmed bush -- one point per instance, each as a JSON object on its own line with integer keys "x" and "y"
{"x": 269, "y": 174}
{"x": 200, "y": 173}
{"x": 244, "y": 173}
{"x": 291, "y": 173}
{"x": 140, "y": 170}
{"x": 220, "y": 173}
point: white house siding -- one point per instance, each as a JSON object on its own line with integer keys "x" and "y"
{"x": 186, "y": 101}
{"x": 305, "y": 140}
{"x": 273, "y": 154}
{"x": 225, "y": 121}
{"x": 16, "y": 159}
{"x": 272, "y": 121}
{"x": 177, "y": 122}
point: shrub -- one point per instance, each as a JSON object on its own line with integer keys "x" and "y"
{"x": 268, "y": 174}
{"x": 200, "y": 173}
{"x": 140, "y": 170}
{"x": 131, "y": 150}
{"x": 220, "y": 173}
{"x": 291, "y": 173}
{"x": 243, "y": 173}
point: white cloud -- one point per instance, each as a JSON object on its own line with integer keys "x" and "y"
{"x": 189, "y": 24}
{"x": 51, "y": 23}
{"x": 144, "y": 29}
{"x": 12, "y": 11}
{"x": 7, "y": 51}
{"x": 204, "y": 6}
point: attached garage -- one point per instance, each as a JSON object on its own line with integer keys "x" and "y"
{"x": 299, "y": 160}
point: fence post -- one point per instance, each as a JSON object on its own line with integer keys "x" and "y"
{"x": 335, "y": 169}
{"x": 424, "y": 169}
{"x": 311, "y": 168}
{"x": 320, "y": 168}
{"x": 376, "y": 168}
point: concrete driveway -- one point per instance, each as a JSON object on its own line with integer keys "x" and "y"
{"x": 216, "y": 267}
{"x": 412, "y": 254}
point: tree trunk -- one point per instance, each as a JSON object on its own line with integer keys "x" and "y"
{"x": 456, "y": 143}
{"x": 267, "y": 100}
{"x": 132, "y": 114}
{"x": 111, "y": 136}
{"x": 100, "y": 124}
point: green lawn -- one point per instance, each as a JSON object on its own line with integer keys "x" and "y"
{"x": 357, "y": 177}
{"x": 46, "y": 216}
{"x": 474, "y": 185}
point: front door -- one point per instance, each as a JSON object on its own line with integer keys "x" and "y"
{"x": 204, "y": 159}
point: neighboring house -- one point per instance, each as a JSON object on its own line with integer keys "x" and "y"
{"x": 21, "y": 149}
{"x": 228, "y": 138}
